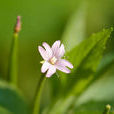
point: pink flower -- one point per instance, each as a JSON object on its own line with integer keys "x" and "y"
{"x": 53, "y": 58}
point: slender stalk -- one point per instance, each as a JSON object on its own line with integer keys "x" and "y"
{"x": 36, "y": 105}
{"x": 12, "y": 70}
{"x": 107, "y": 109}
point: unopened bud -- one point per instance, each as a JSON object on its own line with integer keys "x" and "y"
{"x": 18, "y": 25}
{"x": 107, "y": 109}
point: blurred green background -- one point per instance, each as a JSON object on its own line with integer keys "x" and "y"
{"x": 46, "y": 20}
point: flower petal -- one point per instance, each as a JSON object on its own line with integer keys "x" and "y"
{"x": 48, "y": 49}
{"x": 45, "y": 67}
{"x": 60, "y": 66}
{"x": 43, "y": 53}
{"x": 56, "y": 46}
{"x": 63, "y": 69}
{"x": 66, "y": 63}
{"x": 61, "y": 51}
{"x": 51, "y": 71}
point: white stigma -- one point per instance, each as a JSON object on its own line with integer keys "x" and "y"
{"x": 53, "y": 60}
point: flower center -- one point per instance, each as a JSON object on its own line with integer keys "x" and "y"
{"x": 53, "y": 60}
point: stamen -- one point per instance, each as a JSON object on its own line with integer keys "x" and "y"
{"x": 53, "y": 60}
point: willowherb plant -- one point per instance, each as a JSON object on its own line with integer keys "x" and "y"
{"x": 85, "y": 58}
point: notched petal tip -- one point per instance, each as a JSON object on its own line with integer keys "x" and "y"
{"x": 51, "y": 71}
{"x": 48, "y": 49}
{"x": 61, "y": 51}
{"x": 48, "y": 76}
{"x": 43, "y": 53}
{"x": 68, "y": 71}
{"x": 39, "y": 47}
{"x": 44, "y": 43}
{"x": 57, "y": 41}
{"x": 62, "y": 68}
{"x": 56, "y": 44}
{"x": 66, "y": 63}
{"x": 71, "y": 66}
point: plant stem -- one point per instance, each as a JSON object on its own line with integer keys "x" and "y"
{"x": 12, "y": 69}
{"x": 36, "y": 106}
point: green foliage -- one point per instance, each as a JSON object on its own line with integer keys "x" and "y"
{"x": 41, "y": 21}
{"x": 99, "y": 94}
{"x": 89, "y": 87}
{"x": 11, "y": 99}
{"x": 4, "y": 111}
{"x": 86, "y": 58}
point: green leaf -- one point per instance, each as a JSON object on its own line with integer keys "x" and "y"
{"x": 99, "y": 94}
{"x": 85, "y": 58}
{"x": 11, "y": 99}
{"x": 75, "y": 30}
{"x": 106, "y": 61}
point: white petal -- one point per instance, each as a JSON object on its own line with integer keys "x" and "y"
{"x": 61, "y": 51}
{"x": 43, "y": 53}
{"x": 63, "y": 69}
{"x": 60, "y": 66}
{"x": 48, "y": 49}
{"x": 56, "y": 46}
{"x": 45, "y": 67}
{"x": 65, "y": 63}
{"x": 51, "y": 71}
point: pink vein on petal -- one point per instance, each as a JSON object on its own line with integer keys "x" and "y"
{"x": 56, "y": 46}
{"x": 61, "y": 51}
{"x": 66, "y": 63}
{"x": 51, "y": 71}
{"x": 43, "y": 53}
{"x": 48, "y": 49}
{"x": 63, "y": 69}
{"x": 45, "y": 67}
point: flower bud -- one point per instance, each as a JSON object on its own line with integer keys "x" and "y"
{"x": 108, "y": 107}
{"x": 18, "y": 25}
